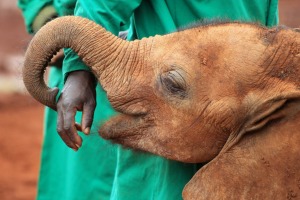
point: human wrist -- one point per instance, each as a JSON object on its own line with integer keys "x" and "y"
{"x": 83, "y": 76}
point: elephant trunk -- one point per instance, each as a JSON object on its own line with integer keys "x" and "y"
{"x": 99, "y": 49}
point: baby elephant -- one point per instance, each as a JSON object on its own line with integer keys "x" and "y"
{"x": 227, "y": 94}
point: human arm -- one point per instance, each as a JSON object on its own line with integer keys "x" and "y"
{"x": 111, "y": 15}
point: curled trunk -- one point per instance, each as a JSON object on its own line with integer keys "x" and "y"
{"x": 97, "y": 47}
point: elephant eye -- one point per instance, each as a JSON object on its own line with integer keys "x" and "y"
{"x": 174, "y": 83}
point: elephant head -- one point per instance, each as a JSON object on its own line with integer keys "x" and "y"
{"x": 211, "y": 93}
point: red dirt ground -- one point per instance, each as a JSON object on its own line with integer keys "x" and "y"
{"x": 21, "y": 136}
{"x": 21, "y": 117}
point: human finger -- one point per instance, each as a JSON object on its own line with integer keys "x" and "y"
{"x": 87, "y": 117}
{"x": 69, "y": 126}
{"x": 62, "y": 132}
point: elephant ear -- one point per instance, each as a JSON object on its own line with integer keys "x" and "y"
{"x": 263, "y": 108}
{"x": 268, "y": 111}
{"x": 273, "y": 108}
{"x": 261, "y": 161}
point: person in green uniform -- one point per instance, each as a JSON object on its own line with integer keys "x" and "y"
{"x": 129, "y": 175}
{"x": 138, "y": 175}
{"x": 64, "y": 173}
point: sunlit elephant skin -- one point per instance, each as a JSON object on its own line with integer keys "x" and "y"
{"x": 226, "y": 94}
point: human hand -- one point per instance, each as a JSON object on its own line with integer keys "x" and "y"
{"x": 78, "y": 94}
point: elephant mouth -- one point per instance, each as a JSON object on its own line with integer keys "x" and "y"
{"x": 132, "y": 122}
{"x": 125, "y": 129}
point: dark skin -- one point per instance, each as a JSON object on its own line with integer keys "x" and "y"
{"x": 71, "y": 101}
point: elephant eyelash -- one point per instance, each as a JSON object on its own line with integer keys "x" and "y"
{"x": 174, "y": 83}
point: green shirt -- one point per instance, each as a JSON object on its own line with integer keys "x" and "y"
{"x": 103, "y": 171}
{"x": 140, "y": 176}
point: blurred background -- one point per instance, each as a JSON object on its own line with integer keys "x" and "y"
{"x": 21, "y": 117}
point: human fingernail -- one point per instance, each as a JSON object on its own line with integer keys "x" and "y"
{"x": 87, "y": 130}
{"x": 77, "y": 145}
